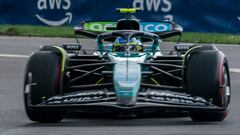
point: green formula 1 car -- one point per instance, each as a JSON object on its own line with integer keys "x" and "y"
{"x": 128, "y": 72}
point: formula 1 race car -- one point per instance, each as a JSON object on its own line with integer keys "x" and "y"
{"x": 128, "y": 72}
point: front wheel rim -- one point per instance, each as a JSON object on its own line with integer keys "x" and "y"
{"x": 226, "y": 89}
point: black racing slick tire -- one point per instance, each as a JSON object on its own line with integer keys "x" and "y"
{"x": 207, "y": 76}
{"x": 42, "y": 80}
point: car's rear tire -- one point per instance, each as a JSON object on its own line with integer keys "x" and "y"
{"x": 43, "y": 74}
{"x": 207, "y": 76}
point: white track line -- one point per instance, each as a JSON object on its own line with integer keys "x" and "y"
{"x": 14, "y": 56}
{"x": 226, "y": 45}
{"x": 222, "y": 45}
{"x": 235, "y": 70}
{"x": 232, "y": 70}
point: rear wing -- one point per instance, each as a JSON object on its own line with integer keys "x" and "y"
{"x": 163, "y": 29}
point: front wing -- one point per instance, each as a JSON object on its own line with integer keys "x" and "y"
{"x": 103, "y": 100}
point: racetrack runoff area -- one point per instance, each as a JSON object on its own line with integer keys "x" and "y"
{"x": 14, "y": 54}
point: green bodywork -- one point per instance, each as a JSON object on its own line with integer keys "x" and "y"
{"x": 127, "y": 76}
{"x": 127, "y": 70}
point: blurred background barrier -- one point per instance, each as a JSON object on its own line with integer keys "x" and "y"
{"x": 193, "y": 15}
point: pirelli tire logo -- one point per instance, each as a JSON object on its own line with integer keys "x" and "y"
{"x": 47, "y": 7}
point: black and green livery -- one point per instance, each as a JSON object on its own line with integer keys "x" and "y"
{"x": 187, "y": 78}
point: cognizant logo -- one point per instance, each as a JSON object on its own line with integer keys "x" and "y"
{"x": 46, "y": 7}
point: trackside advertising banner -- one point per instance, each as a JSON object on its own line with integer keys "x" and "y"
{"x": 193, "y": 15}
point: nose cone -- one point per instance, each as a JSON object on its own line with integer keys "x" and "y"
{"x": 127, "y": 80}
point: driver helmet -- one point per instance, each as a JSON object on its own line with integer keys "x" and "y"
{"x": 121, "y": 45}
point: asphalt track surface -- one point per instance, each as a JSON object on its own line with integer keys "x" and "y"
{"x": 13, "y": 120}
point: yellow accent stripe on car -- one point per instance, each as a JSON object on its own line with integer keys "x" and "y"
{"x": 64, "y": 56}
{"x": 155, "y": 81}
{"x": 185, "y": 57}
{"x": 100, "y": 80}
{"x": 188, "y": 51}
{"x": 127, "y": 10}
{"x": 131, "y": 43}
{"x": 120, "y": 45}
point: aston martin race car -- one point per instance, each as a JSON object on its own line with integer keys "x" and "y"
{"x": 127, "y": 73}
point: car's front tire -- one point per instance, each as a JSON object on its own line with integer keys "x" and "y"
{"x": 44, "y": 75}
{"x": 207, "y": 76}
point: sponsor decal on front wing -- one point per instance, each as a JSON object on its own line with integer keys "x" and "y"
{"x": 77, "y": 98}
{"x": 175, "y": 98}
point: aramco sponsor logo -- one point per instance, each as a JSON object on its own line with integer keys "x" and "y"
{"x": 144, "y": 26}
{"x": 54, "y": 6}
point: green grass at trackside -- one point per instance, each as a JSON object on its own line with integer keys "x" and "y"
{"x": 68, "y": 32}
{"x": 216, "y": 38}
{"x": 36, "y": 31}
